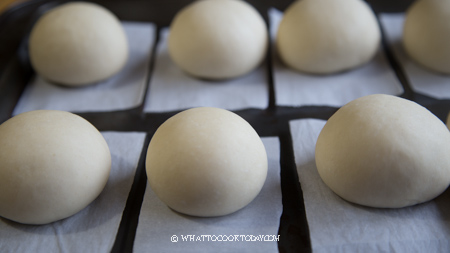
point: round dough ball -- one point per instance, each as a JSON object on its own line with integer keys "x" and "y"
{"x": 327, "y": 36}
{"x": 218, "y": 39}
{"x": 426, "y": 34}
{"x": 52, "y": 165}
{"x": 78, "y": 43}
{"x": 206, "y": 162}
{"x": 384, "y": 151}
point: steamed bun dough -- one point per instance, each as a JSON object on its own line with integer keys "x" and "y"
{"x": 327, "y": 36}
{"x": 384, "y": 151}
{"x": 206, "y": 162}
{"x": 426, "y": 34}
{"x": 52, "y": 165}
{"x": 218, "y": 39}
{"x": 78, "y": 43}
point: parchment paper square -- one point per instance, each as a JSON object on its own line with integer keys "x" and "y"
{"x": 421, "y": 79}
{"x": 158, "y": 224}
{"x": 122, "y": 91}
{"x": 293, "y": 88}
{"x": 94, "y": 228}
{"x": 172, "y": 89}
{"x": 336, "y": 225}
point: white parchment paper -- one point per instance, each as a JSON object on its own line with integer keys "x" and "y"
{"x": 421, "y": 79}
{"x": 123, "y": 91}
{"x": 94, "y": 228}
{"x": 293, "y": 88}
{"x": 159, "y": 225}
{"x": 336, "y": 225}
{"x": 172, "y": 89}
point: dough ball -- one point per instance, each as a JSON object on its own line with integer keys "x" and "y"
{"x": 426, "y": 34}
{"x": 384, "y": 151}
{"x": 327, "y": 36}
{"x": 206, "y": 162}
{"x": 78, "y": 43}
{"x": 447, "y": 122}
{"x": 52, "y": 165}
{"x": 218, "y": 39}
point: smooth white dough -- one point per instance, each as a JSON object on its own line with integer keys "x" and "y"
{"x": 78, "y": 43}
{"x": 206, "y": 162}
{"x": 384, "y": 151}
{"x": 218, "y": 39}
{"x": 426, "y": 34}
{"x": 327, "y": 36}
{"x": 52, "y": 165}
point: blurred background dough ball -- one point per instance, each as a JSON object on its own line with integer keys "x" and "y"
{"x": 447, "y": 121}
{"x": 78, "y": 43}
{"x": 218, "y": 39}
{"x": 206, "y": 162}
{"x": 426, "y": 34}
{"x": 384, "y": 151}
{"x": 52, "y": 165}
{"x": 327, "y": 36}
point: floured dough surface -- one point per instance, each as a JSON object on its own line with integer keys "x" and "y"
{"x": 206, "y": 162}
{"x": 52, "y": 165}
{"x": 218, "y": 39}
{"x": 426, "y": 34}
{"x": 327, "y": 36}
{"x": 78, "y": 43}
{"x": 384, "y": 151}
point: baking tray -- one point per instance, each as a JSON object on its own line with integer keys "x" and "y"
{"x": 16, "y": 72}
